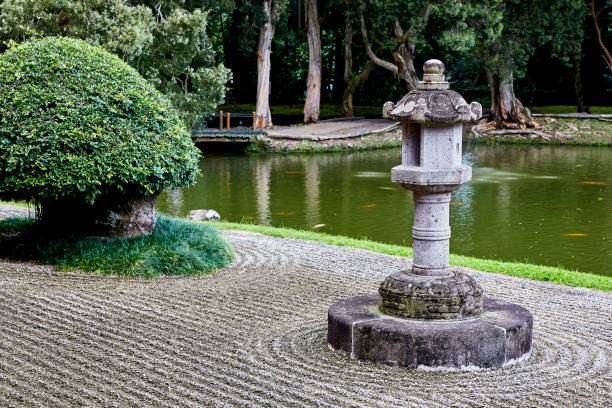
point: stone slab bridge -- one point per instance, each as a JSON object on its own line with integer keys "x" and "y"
{"x": 255, "y": 335}
{"x": 333, "y": 129}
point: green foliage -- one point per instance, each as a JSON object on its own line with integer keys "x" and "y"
{"x": 412, "y": 16}
{"x": 176, "y": 247}
{"x": 76, "y": 121}
{"x": 114, "y": 25}
{"x": 181, "y": 64}
{"x": 165, "y": 42}
{"x": 327, "y": 111}
{"x": 449, "y": 17}
{"x": 507, "y": 32}
{"x": 250, "y": 17}
{"x": 564, "y": 21}
{"x": 467, "y": 25}
{"x": 278, "y": 7}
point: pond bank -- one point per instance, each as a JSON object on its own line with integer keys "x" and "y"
{"x": 555, "y": 130}
{"x": 331, "y": 136}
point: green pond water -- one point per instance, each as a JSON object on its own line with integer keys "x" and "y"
{"x": 549, "y": 205}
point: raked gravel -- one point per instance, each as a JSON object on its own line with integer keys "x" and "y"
{"x": 254, "y": 335}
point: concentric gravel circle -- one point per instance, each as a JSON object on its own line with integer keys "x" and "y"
{"x": 254, "y": 335}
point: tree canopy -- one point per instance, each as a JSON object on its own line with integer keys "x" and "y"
{"x": 168, "y": 44}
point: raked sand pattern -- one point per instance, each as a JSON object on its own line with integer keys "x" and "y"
{"x": 254, "y": 335}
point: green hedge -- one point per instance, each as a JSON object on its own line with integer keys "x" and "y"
{"x": 76, "y": 121}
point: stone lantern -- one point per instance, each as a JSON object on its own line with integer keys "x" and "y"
{"x": 430, "y": 315}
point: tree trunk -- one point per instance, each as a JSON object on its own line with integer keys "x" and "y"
{"x": 351, "y": 86}
{"x": 581, "y": 107}
{"x": 404, "y": 59}
{"x": 313, "y": 87}
{"x": 264, "y": 48}
{"x": 507, "y": 111}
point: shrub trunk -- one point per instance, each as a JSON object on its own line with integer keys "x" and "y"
{"x": 115, "y": 216}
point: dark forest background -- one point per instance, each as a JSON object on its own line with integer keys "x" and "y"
{"x": 548, "y": 80}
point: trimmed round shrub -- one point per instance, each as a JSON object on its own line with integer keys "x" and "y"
{"x": 78, "y": 123}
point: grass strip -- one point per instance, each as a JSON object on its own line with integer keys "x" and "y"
{"x": 176, "y": 247}
{"x": 18, "y": 204}
{"x": 523, "y": 270}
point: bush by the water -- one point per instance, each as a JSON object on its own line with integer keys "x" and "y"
{"x": 78, "y": 122}
{"x": 176, "y": 247}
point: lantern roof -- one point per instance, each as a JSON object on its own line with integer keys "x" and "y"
{"x": 432, "y": 101}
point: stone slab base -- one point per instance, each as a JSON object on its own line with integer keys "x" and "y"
{"x": 498, "y": 337}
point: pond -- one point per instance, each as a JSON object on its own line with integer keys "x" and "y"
{"x": 549, "y": 205}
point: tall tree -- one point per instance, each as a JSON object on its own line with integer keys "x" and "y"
{"x": 313, "y": 86}
{"x": 264, "y": 48}
{"x": 270, "y": 11}
{"x": 352, "y": 83}
{"x": 503, "y": 48}
{"x": 527, "y": 25}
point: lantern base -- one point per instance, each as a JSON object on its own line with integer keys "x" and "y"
{"x": 410, "y": 296}
{"x": 500, "y": 336}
